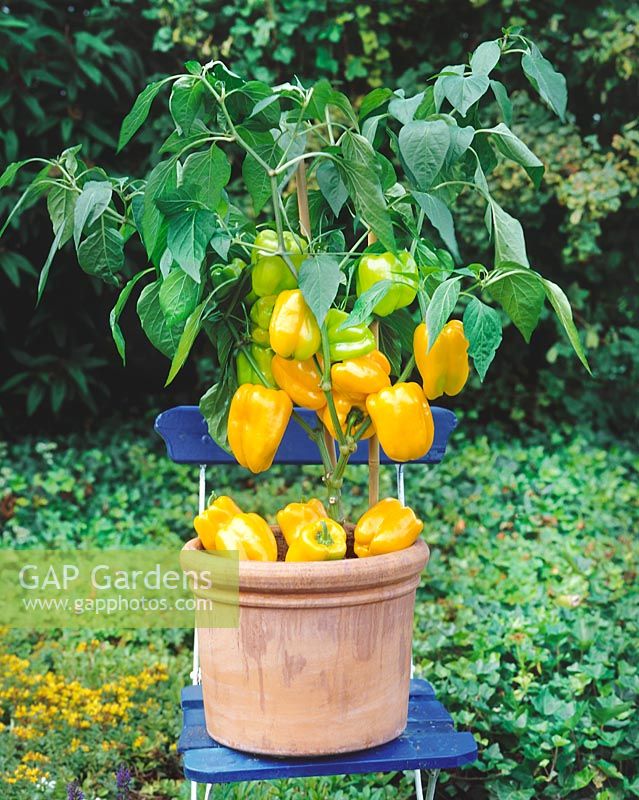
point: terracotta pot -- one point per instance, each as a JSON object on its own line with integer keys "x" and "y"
{"x": 320, "y": 662}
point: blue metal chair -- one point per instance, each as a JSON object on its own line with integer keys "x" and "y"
{"x": 429, "y": 742}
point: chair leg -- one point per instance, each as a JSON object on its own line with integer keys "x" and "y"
{"x": 433, "y": 775}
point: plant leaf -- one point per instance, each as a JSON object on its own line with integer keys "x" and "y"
{"x": 319, "y": 280}
{"x": 117, "y": 310}
{"x": 485, "y": 58}
{"x": 188, "y": 235}
{"x": 162, "y": 335}
{"x": 215, "y": 405}
{"x": 441, "y": 306}
{"x": 462, "y": 91}
{"x": 192, "y": 327}
{"x": 140, "y": 111}
{"x": 163, "y": 179}
{"x": 550, "y": 84}
{"x": 102, "y": 254}
{"x": 94, "y": 200}
{"x": 179, "y": 295}
{"x": 366, "y": 302}
{"x": 208, "y": 173}
{"x": 512, "y": 147}
{"x": 440, "y": 217}
{"x": 423, "y": 145}
{"x": 503, "y": 101}
{"x": 560, "y": 304}
{"x": 508, "y": 236}
{"x": 331, "y": 185}
{"x": 60, "y": 205}
{"x": 482, "y": 327}
{"x": 186, "y": 101}
{"x": 44, "y": 273}
{"x": 520, "y": 292}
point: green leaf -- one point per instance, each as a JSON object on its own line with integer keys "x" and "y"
{"x": 194, "y": 67}
{"x": 441, "y": 306}
{"x": 163, "y": 179}
{"x": 560, "y": 304}
{"x": 323, "y": 96}
{"x": 423, "y": 145}
{"x": 215, "y": 405}
{"x": 460, "y": 140}
{"x": 319, "y": 280}
{"x": 8, "y": 176}
{"x": 512, "y": 147}
{"x": 550, "y": 84}
{"x": 185, "y": 103}
{"x": 461, "y": 92}
{"x": 189, "y": 335}
{"x": 520, "y": 292}
{"x": 90, "y": 205}
{"x": 331, "y": 185}
{"x": 404, "y": 109}
{"x": 179, "y": 295}
{"x": 117, "y": 310}
{"x": 255, "y": 176}
{"x": 61, "y": 204}
{"x": 187, "y": 239}
{"x": 208, "y": 172}
{"x": 359, "y": 168}
{"x": 508, "y": 236}
{"x": 503, "y": 101}
{"x": 482, "y": 327}
{"x": 140, "y": 111}
{"x": 162, "y": 335}
{"x": 485, "y": 58}
{"x": 439, "y": 216}
{"x": 44, "y": 274}
{"x": 366, "y": 302}
{"x": 373, "y": 101}
{"x": 102, "y": 254}
{"x": 178, "y": 201}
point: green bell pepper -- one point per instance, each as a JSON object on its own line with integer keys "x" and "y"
{"x": 225, "y": 273}
{"x": 262, "y": 356}
{"x": 271, "y": 274}
{"x": 400, "y": 268}
{"x": 351, "y": 342}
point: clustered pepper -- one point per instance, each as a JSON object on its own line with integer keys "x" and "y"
{"x": 246, "y": 372}
{"x": 208, "y": 523}
{"x": 359, "y": 377}
{"x": 401, "y": 269}
{"x": 350, "y": 342}
{"x": 226, "y": 273}
{"x": 444, "y": 368}
{"x": 250, "y": 535}
{"x": 403, "y": 421}
{"x": 385, "y": 527}
{"x": 300, "y": 380}
{"x": 293, "y": 330}
{"x": 343, "y": 407}
{"x": 257, "y": 420}
{"x": 261, "y": 314}
{"x": 271, "y": 274}
{"x": 293, "y": 517}
{"x": 320, "y": 540}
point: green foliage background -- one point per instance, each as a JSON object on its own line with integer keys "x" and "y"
{"x": 526, "y": 619}
{"x": 71, "y": 73}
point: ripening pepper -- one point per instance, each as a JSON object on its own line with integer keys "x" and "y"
{"x": 320, "y": 540}
{"x": 300, "y": 380}
{"x": 400, "y": 268}
{"x": 250, "y": 535}
{"x": 207, "y": 524}
{"x": 359, "y": 377}
{"x": 293, "y": 517}
{"x": 262, "y": 310}
{"x": 385, "y": 527}
{"x": 293, "y": 330}
{"x": 271, "y": 274}
{"x": 343, "y": 406}
{"x": 226, "y": 273}
{"x": 260, "y": 336}
{"x": 444, "y": 368}
{"x": 403, "y": 421}
{"x": 246, "y": 372}
{"x": 258, "y": 417}
{"x": 351, "y": 342}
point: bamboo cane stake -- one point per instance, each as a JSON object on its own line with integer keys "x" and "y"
{"x": 373, "y": 442}
{"x": 305, "y": 229}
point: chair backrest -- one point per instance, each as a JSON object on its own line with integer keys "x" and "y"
{"x": 185, "y": 432}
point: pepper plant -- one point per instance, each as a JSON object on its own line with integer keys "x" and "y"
{"x": 344, "y": 268}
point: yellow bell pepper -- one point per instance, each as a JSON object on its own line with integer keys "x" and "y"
{"x": 403, "y": 421}
{"x": 300, "y": 380}
{"x": 321, "y": 540}
{"x": 207, "y": 524}
{"x": 444, "y": 369}
{"x": 258, "y": 417}
{"x": 386, "y": 527}
{"x": 250, "y": 535}
{"x": 359, "y": 377}
{"x": 343, "y": 406}
{"x": 293, "y": 329}
{"x": 294, "y": 516}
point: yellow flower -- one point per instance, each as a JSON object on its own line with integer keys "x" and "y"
{"x": 138, "y": 742}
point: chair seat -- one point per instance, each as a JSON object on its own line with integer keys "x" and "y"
{"x": 429, "y": 742}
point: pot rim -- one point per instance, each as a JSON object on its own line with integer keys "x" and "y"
{"x": 325, "y": 577}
